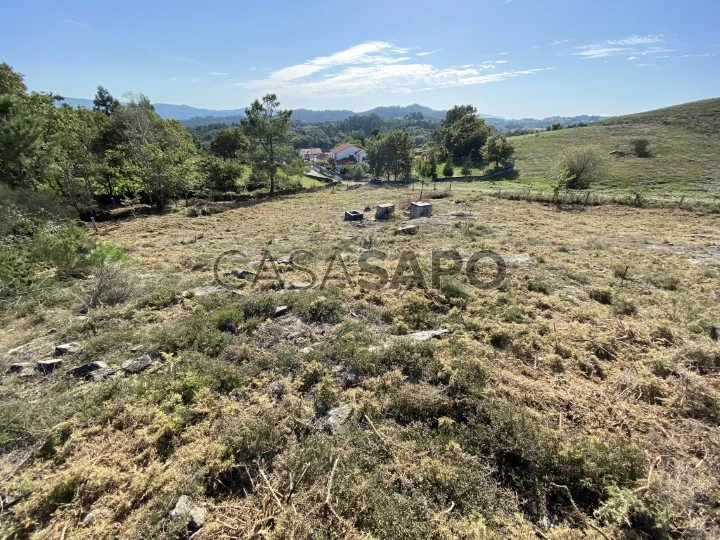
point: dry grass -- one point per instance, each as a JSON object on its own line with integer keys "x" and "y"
{"x": 575, "y": 398}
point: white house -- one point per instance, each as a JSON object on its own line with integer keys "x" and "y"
{"x": 347, "y": 153}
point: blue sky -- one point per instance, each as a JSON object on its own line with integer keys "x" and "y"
{"x": 512, "y": 58}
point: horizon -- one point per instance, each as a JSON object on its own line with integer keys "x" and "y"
{"x": 546, "y": 61}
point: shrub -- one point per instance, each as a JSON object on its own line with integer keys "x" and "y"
{"x": 67, "y": 250}
{"x": 15, "y": 271}
{"x": 603, "y": 296}
{"x": 448, "y": 170}
{"x": 578, "y": 168}
{"x": 641, "y": 148}
{"x": 114, "y": 284}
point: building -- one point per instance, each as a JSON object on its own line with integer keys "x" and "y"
{"x": 347, "y": 154}
{"x": 310, "y": 154}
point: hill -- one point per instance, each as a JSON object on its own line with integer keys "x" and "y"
{"x": 684, "y": 143}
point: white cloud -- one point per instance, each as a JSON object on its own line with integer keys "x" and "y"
{"x": 170, "y": 79}
{"x": 376, "y": 66}
{"x": 645, "y": 65}
{"x": 638, "y": 40}
{"x": 600, "y": 51}
{"x": 503, "y": 53}
{"x": 428, "y": 53}
{"x": 217, "y": 74}
{"x": 632, "y": 57}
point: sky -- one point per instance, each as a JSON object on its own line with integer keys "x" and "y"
{"x": 511, "y": 58}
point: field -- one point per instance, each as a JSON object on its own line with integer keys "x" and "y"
{"x": 578, "y": 398}
{"x": 683, "y": 144}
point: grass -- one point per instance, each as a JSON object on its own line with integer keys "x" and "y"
{"x": 580, "y": 394}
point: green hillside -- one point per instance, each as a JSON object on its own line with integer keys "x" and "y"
{"x": 684, "y": 142}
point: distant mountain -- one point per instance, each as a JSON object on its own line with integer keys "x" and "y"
{"x": 193, "y": 116}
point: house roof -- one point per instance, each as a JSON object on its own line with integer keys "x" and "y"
{"x": 343, "y": 146}
{"x": 346, "y": 161}
{"x": 360, "y": 151}
{"x": 310, "y": 151}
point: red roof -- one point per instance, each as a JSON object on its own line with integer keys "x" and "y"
{"x": 346, "y": 161}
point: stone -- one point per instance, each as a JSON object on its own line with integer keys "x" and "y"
{"x": 427, "y": 335}
{"x": 206, "y": 290}
{"x": 408, "y": 229}
{"x": 336, "y": 417}
{"x": 101, "y": 374}
{"x": 384, "y": 211}
{"x": 185, "y": 509}
{"x": 241, "y": 273}
{"x": 137, "y": 349}
{"x": 715, "y": 332}
{"x": 138, "y": 364}
{"x": 297, "y": 286}
{"x": 306, "y": 350}
{"x": 96, "y": 515}
{"x": 287, "y": 261}
{"x": 67, "y": 348}
{"x": 230, "y": 327}
{"x": 85, "y": 369}
{"x": 281, "y": 310}
{"x": 293, "y": 335}
{"x": 19, "y": 366}
{"x": 354, "y": 215}
{"x": 46, "y": 366}
{"x": 520, "y": 258}
{"x": 420, "y": 209}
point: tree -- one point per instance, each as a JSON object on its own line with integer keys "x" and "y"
{"x": 390, "y": 154}
{"x": 104, "y": 102}
{"x": 424, "y": 172}
{"x": 578, "y": 168}
{"x": 221, "y": 174}
{"x": 467, "y": 136}
{"x": 466, "y": 167}
{"x": 21, "y": 137}
{"x": 11, "y": 82}
{"x": 432, "y": 162}
{"x": 448, "y": 170}
{"x": 268, "y": 130}
{"x": 229, "y": 143}
{"x": 499, "y": 148}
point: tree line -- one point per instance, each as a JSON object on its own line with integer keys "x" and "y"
{"x": 127, "y": 151}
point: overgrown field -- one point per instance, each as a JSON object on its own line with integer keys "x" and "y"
{"x": 579, "y": 398}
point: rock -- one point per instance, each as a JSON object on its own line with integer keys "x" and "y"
{"x": 408, "y": 229}
{"x": 138, "y": 364}
{"x": 520, "y": 258}
{"x": 101, "y": 374}
{"x": 715, "y": 332}
{"x": 293, "y": 335}
{"x": 280, "y": 311}
{"x": 427, "y": 335}
{"x": 240, "y": 273}
{"x": 185, "y": 509}
{"x": 297, "y": 286}
{"x": 85, "y": 369}
{"x": 336, "y": 417}
{"x": 285, "y": 260}
{"x": 206, "y": 290}
{"x": 306, "y": 350}
{"x": 96, "y": 515}
{"x": 230, "y": 327}
{"x": 137, "y": 349}
{"x": 19, "y": 366}
{"x": 275, "y": 390}
{"x": 46, "y": 366}
{"x": 350, "y": 379}
{"x": 67, "y": 348}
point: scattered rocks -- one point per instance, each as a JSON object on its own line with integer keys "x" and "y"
{"x": 408, "y": 229}
{"x": 294, "y": 335}
{"x": 715, "y": 332}
{"x": 427, "y": 335}
{"x": 67, "y": 348}
{"x": 85, "y": 369}
{"x": 96, "y": 515}
{"x": 281, "y": 310}
{"x": 336, "y": 417}
{"x": 196, "y": 515}
{"x": 46, "y": 366}
{"x": 138, "y": 364}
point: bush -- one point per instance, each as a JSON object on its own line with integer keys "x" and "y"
{"x": 641, "y": 148}
{"x": 114, "y": 284}
{"x": 448, "y": 170}
{"x": 578, "y": 168}
{"x": 15, "y": 271}
{"x": 67, "y": 250}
